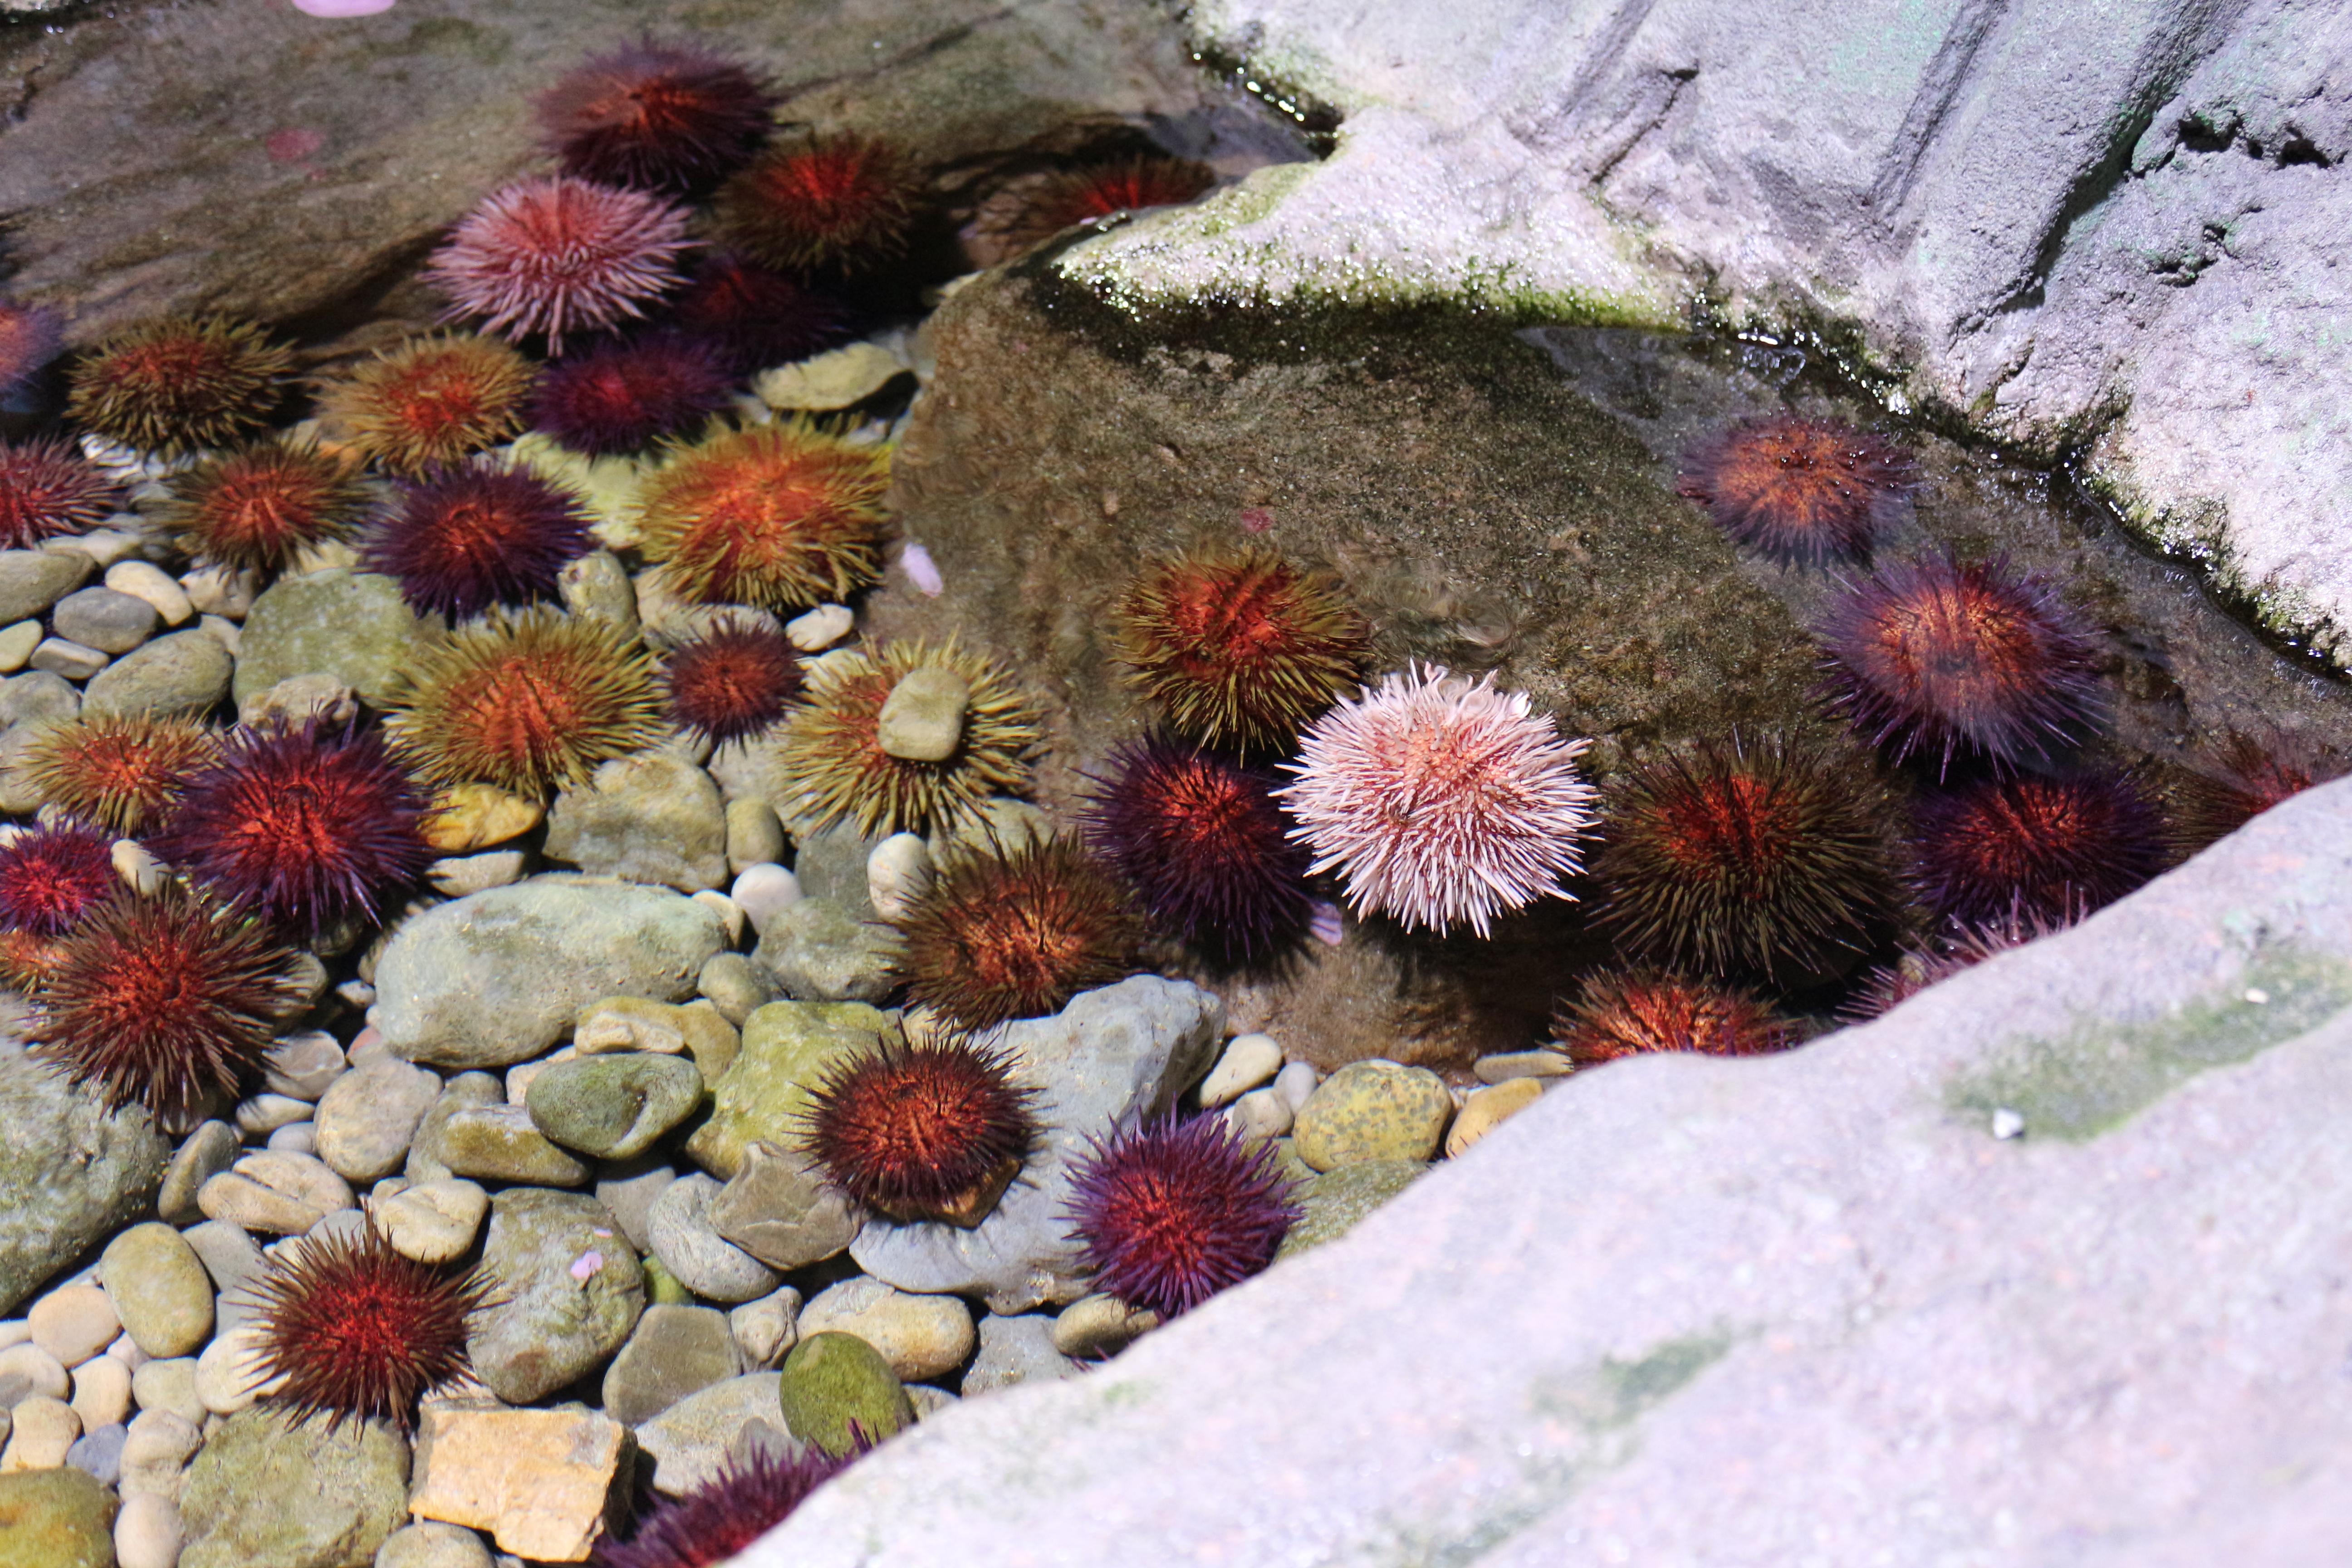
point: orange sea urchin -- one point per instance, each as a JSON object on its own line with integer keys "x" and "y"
{"x": 178, "y": 385}
{"x": 830, "y": 202}
{"x": 431, "y": 402}
{"x": 527, "y": 702}
{"x": 778, "y": 517}
{"x": 117, "y": 770}
{"x": 1632, "y": 1015}
{"x": 258, "y": 508}
{"x": 1016, "y": 934}
{"x": 1240, "y": 647}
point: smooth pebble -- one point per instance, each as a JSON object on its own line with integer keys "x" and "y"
{"x": 74, "y": 1323}
{"x": 147, "y": 1532}
{"x": 764, "y": 891}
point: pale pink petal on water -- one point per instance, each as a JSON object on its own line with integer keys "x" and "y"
{"x": 587, "y": 1265}
{"x": 340, "y": 9}
{"x": 1256, "y": 520}
{"x": 922, "y": 571}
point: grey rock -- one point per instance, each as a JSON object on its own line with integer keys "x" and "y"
{"x": 565, "y": 1291}
{"x": 778, "y": 1208}
{"x": 501, "y": 1143}
{"x": 67, "y": 660}
{"x": 737, "y": 986}
{"x": 678, "y": 1231}
{"x": 98, "y": 1453}
{"x": 117, "y": 1160}
{"x": 368, "y": 1116}
{"x": 689, "y": 1441}
{"x": 672, "y": 1353}
{"x": 160, "y": 1291}
{"x": 38, "y": 695}
{"x": 303, "y": 1064}
{"x": 103, "y": 619}
{"x": 204, "y": 1153}
{"x": 628, "y": 1188}
{"x": 655, "y": 818}
{"x": 233, "y": 1262}
{"x": 33, "y": 580}
{"x": 266, "y": 1491}
{"x": 276, "y": 1191}
{"x": 498, "y": 977}
{"x": 918, "y": 1336}
{"x": 2188, "y": 1047}
{"x": 456, "y": 876}
{"x": 433, "y": 1222}
{"x": 830, "y": 864}
{"x": 767, "y": 1328}
{"x": 819, "y": 952}
{"x": 1018, "y": 1349}
{"x": 1110, "y": 1059}
{"x": 614, "y": 1106}
{"x": 353, "y": 626}
{"x": 466, "y": 1092}
{"x": 922, "y": 719}
{"x": 19, "y": 792}
{"x": 183, "y": 673}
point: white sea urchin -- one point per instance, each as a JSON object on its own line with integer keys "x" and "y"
{"x": 556, "y": 255}
{"x": 1440, "y": 801}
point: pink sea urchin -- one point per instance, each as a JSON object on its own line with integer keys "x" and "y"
{"x": 1934, "y": 655}
{"x": 1439, "y": 801}
{"x": 556, "y": 255}
{"x": 655, "y": 116}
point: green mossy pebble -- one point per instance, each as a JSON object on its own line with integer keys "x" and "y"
{"x": 1333, "y": 1202}
{"x": 662, "y": 1287}
{"x": 614, "y": 1106}
{"x": 834, "y": 1383}
{"x": 55, "y": 1519}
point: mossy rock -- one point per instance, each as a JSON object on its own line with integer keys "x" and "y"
{"x": 55, "y": 1519}
{"x": 837, "y": 1389}
{"x": 1335, "y": 1201}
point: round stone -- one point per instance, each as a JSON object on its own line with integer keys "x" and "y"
{"x": 922, "y": 719}
{"x": 918, "y": 1336}
{"x": 163, "y": 1387}
{"x": 184, "y": 673}
{"x": 147, "y": 1532}
{"x": 434, "y": 1222}
{"x": 737, "y": 987}
{"x": 264, "y": 1490}
{"x": 102, "y": 1393}
{"x": 368, "y": 1115}
{"x": 143, "y": 580}
{"x": 104, "y": 619}
{"x": 160, "y": 1290}
{"x": 896, "y": 873}
{"x": 42, "y": 1431}
{"x": 675, "y": 1351}
{"x": 1373, "y": 1110}
{"x": 98, "y": 1452}
{"x": 836, "y": 1386}
{"x": 1489, "y": 1107}
{"x": 274, "y": 1190}
{"x": 565, "y": 1291}
{"x": 755, "y": 834}
{"x": 680, "y": 1234}
{"x": 434, "y": 1546}
{"x": 765, "y": 892}
{"x": 74, "y": 1323}
{"x": 57, "y": 1519}
{"x": 233, "y": 1372}
{"x": 157, "y": 1447}
{"x": 614, "y": 1106}
{"x": 1249, "y": 1061}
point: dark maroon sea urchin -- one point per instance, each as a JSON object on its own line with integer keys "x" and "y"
{"x": 1200, "y": 840}
{"x": 309, "y": 826}
{"x": 1936, "y": 656}
{"x": 48, "y": 488}
{"x": 929, "y": 1131}
{"x": 734, "y": 681}
{"x": 752, "y": 318}
{"x": 470, "y": 538}
{"x": 2032, "y": 848}
{"x": 713, "y": 1521}
{"x": 1169, "y": 1213}
{"x": 358, "y": 1331}
{"x": 620, "y": 397}
{"x": 51, "y": 877}
{"x": 655, "y": 116}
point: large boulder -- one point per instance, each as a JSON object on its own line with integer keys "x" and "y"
{"x": 115, "y": 1162}
{"x": 2047, "y": 1263}
{"x": 2065, "y": 225}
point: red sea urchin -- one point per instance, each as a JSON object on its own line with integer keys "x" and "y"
{"x": 557, "y": 256}
{"x": 778, "y": 517}
{"x": 1932, "y": 656}
{"x": 752, "y": 318}
{"x": 929, "y": 1131}
{"x": 1440, "y": 801}
{"x": 1200, "y": 840}
{"x": 357, "y": 1331}
{"x": 620, "y": 397}
{"x": 178, "y": 385}
{"x": 1763, "y": 861}
{"x": 1171, "y": 1213}
{"x": 430, "y": 403}
{"x": 2032, "y": 848}
{"x": 2201, "y": 809}
{"x": 164, "y": 1001}
{"x": 464, "y": 540}
{"x": 526, "y": 703}
{"x": 48, "y": 488}
{"x": 734, "y": 681}
{"x": 258, "y": 508}
{"x": 1803, "y": 491}
{"x": 308, "y": 827}
{"x": 655, "y": 116}
{"x": 1131, "y": 185}
{"x": 51, "y": 877}
{"x": 1636, "y": 1014}
{"x": 821, "y": 203}
{"x": 1919, "y": 968}
{"x": 30, "y": 337}
{"x": 1238, "y": 647}
{"x": 1016, "y": 933}
{"x": 713, "y": 1521}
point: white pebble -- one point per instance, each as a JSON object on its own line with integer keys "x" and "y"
{"x": 296, "y": 1137}
{"x": 104, "y": 545}
{"x": 166, "y": 1387}
{"x": 69, "y": 659}
{"x": 102, "y": 1393}
{"x": 139, "y": 870}
{"x": 151, "y": 584}
{"x": 728, "y": 912}
{"x": 1294, "y": 1082}
{"x": 218, "y": 590}
{"x": 15, "y": 1331}
{"x": 27, "y": 1371}
{"x": 765, "y": 891}
{"x": 44, "y": 1429}
{"x": 812, "y": 631}
{"x": 300, "y": 1066}
{"x": 230, "y": 1374}
{"x": 225, "y": 632}
{"x": 1260, "y": 1115}
{"x": 126, "y": 1349}
{"x": 147, "y": 1532}
{"x": 74, "y": 1323}
{"x": 2007, "y": 1123}
{"x": 266, "y": 1113}
{"x": 896, "y": 873}
{"x": 16, "y": 644}
{"x": 922, "y": 571}
{"x": 1249, "y": 1060}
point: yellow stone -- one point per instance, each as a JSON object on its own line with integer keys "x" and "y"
{"x": 539, "y": 1480}
{"x": 466, "y": 817}
{"x": 1489, "y": 1107}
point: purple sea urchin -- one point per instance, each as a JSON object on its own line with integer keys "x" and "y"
{"x": 752, "y": 318}
{"x": 51, "y": 877}
{"x": 2032, "y": 848}
{"x": 711, "y": 1523}
{"x": 655, "y": 116}
{"x": 821, "y": 203}
{"x": 1932, "y": 656}
{"x": 1171, "y": 1212}
{"x": 1440, "y": 801}
{"x": 558, "y": 257}
{"x": 620, "y": 397}
{"x": 467, "y": 539}
{"x": 1075, "y": 196}
{"x": 735, "y": 681}
{"x": 1806, "y": 491}
{"x": 48, "y": 488}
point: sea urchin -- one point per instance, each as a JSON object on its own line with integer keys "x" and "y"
{"x": 526, "y": 703}
{"x": 655, "y": 116}
{"x": 164, "y": 1001}
{"x": 734, "y": 681}
{"x": 258, "y": 508}
{"x": 778, "y": 517}
{"x": 1932, "y": 656}
{"x": 712, "y": 1521}
{"x": 30, "y": 337}
{"x": 929, "y": 1131}
{"x": 357, "y": 1331}
{"x": 821, "y": 203}
{"x": 1763, "y": 861}
{"x": 116, "y": 770}
{"x": 1803, "y": 491}
{"x": 2032, "y": 848}
{"x": 178, "y": 385}
{"x": 557, "y": 256}
{"x": 1016, "y": 933}
{"x": 431, "y": 402}
{"x": 48, "y": 488}
{"x": 1440, "y": 801}
{"x": 1635, "y": 1014}
{"x": 465, "y": 539}
{"x": 308, "y": 826}
{"x": 1171, "y": 1212}
{"x": 753, "y": 318}
{"x": 1200, "y": 840}
{"x": 1077, "y": 195}
{"x": 1239, "y": 647}
{"x": 621, "y": 396}
{"x": 51, "y": 877}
